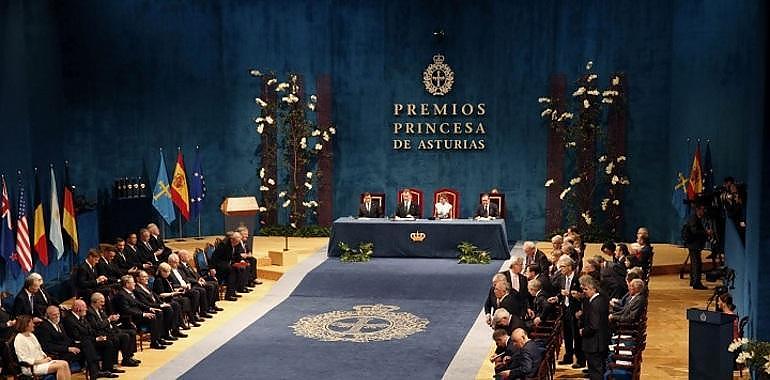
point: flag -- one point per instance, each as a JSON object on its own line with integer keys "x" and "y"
{"x": 179, "y": 193}
{"x": 197, "y": 187}
{"x": 161, "y": 197}
{"x": 54, "y": 231}
{"x": 69, "y": 221}
{"x": 695, "y": 182}
{"x": 708, "y": 170}
{"x": 23, "y": 254}
{"x": 7, "y": 242}
{"x": 39, "y": 241}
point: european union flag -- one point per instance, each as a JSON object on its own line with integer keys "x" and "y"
{"x": 161, "y": 197}
{"x": 708, "y": 170}
{"x": 197, "y": 187}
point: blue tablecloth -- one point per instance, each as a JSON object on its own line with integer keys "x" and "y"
{"x": 391, "y": 238}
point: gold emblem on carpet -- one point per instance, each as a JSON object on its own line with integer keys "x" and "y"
{"x": 363, "y": 324}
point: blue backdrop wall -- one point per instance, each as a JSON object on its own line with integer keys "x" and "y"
{"x": 105, "y": 84}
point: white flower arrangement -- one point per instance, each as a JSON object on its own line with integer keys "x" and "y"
{"x": 580, "y": 91}
{"x": 271, "y": 181}
{"x": 332, "y": 130}
{"x": 602, "y": 158}
{"x": 255, "y": 73}
{"x": 281, "y": 87}
{"x": 587, "y": 217}
{"x": 569, "y": 144}
{"x": 589, "y": 64}
{"x": 574, "y": 181}
{"x": 259, "y": 120}
{"x": 309, "y": 175}
{"x": 281, "y": 194}
{"x": 616, "y": 202}
{"x": 262, "y": 173}
{"x": 260, "y": 128}
{"x": 607, "y": 100}
{"x": 303, "y": 143}
{"x": 546, "y": 112}
{"x": 621, "y": 158}
{"x": 309, "y": 186}
{"x": 315, "y": 133}
{"x": 269, "y": 119}
{"x": 565, "y": 116}
{"x": 311, "y": 106}
{"x": 549, "y": 183}
{"x": 318, "y": 146}
{"x": 605, "y": 202}
{"x": 615, "y": 179}
{"x": 586, "y": 103}
{"x": 260, "y": 102}
{"x": 286, "y": 203}
{"x": 615, "y": 80}
{"x": 592, "y": 77}
{"x": 272, "y": 82}
{"x": 609, "y": 168}
{"x": 313, "y": 98}
{"x": 564, "y": 193}
{"x": 543, "y": 100}
{"x": 593, "y": 92}
{"x": 264, "y": 188}
{"x": 326, "y": 136}
{"x": 625, "y": 181}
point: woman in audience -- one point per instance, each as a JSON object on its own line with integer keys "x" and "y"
{"x": 725, "y": 304}
{"x": 28, "y": 350}
{"x": 443, "y": 209}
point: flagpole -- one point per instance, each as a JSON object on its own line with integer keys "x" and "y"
{"x": 199, "y": 227}
{"x": 180, "y": 238}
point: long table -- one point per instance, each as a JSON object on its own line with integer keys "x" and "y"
{"x": 393, "y": 238}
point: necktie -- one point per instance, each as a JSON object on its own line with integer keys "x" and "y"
{"x": 368, "y": 206}
{"x": 567, "y": 287}
{"x": 487, "y": 210}
{"x": 31, "y": 304}
{"x": 56, "y": 326}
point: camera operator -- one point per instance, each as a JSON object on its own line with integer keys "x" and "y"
{"x": 731, "y": 197}
{"x": 695, "y": 236}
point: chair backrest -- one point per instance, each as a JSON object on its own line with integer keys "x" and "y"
{"x": 417, "y": 196}
{"x": 377, "y": 199}
{"x": 200, "y": 260}
{"x": 498, "y": 199}
{"x": 452, "y": 197}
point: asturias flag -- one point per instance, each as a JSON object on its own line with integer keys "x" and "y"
{"x": 695, "y": 183}
{"x": 54, "y": 231}
{"x": 161, "y": 196}
{"x": 69, "y": 221}
{"x": 7, "y": 241}
{"x": 179, "y": 193}
{"x": 39, "y": 240}
{"x": 197, "y": 187}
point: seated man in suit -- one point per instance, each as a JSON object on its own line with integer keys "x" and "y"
{"x": 248, "y": 255}
{"x": 220, "y": 260}
{"x": 78, "y": 328}
{"x": 542, "y": 310}
{"x": 526, "y": 359}
{"x": 210, "y": 287}
{"x": 368, "y": 209}
{"x": 179, "y": 280}
{"x": 442, "y": 209}
{"x": 486, "y": 209}
{"x": 157, "y": 242}
{"x": 27, "y": 301}
{"x": 88, "y": 280}
{"x": 505, "y": 348}
{"x": 632, "y": 309}
{"x": 534, "y": 273}
{"x": 150, "y": 256}
{"x": 132, "y": 312}
{"x": 170, "y": 304}
{"x": 108, "y": 268}
{"x": 126, "y": 259}
{"x": 504, "y": 299}
{"x": 617, "y": 304}
{"x": 502, "y": 319}
{"x": 102, "y": 324}
{"x": 406, "y": 207}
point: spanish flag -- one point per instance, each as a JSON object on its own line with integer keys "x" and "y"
{"x": 69, "y": 223}
{"x": 695, "y": 183}
{"x": 179, "y": 192}
{"x": 39, "y": 241}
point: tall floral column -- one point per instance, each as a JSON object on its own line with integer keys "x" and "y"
{"x": 555, "y": 153}
{"x": 268, "y": 147}
{"x": 325, "y": 156}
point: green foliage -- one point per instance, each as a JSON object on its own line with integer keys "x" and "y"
{"x": 350, "y": 255}
{"x": 471, "y": 254}
{"x": 304, "y": 231}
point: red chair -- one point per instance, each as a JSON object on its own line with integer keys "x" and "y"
{"x": 377, "y": 199}
{"x": 417, "y": 196}
{"x": 498, "y": 199}
{"x": 452, "y": 197}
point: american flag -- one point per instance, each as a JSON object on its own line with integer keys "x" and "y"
{"x": 22, "y": 233}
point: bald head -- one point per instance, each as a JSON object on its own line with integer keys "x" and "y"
{"x": 519, "y": 337}
{"x": 79, "y": 308}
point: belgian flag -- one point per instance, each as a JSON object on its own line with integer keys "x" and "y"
{"x": 39, "y": 241}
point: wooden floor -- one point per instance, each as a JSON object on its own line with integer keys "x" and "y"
{"x": 667, "y": 337}
{"x": 153, "y": 359}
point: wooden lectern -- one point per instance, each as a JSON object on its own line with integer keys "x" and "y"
{"x": 240, "y": 211}
{"x": 710, "y": 334}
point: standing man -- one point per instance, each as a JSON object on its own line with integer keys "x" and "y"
{"x": 596, "y": 330}
{"x": 535, "y": 256}
{"x": 518, "y": 285}
{"x": 407, "y": 208}
{"x": 368, "y": 209}
{"x": 486, "y": 209}
{"x": 695, "y": 235}
{"x": 566, "y": 282}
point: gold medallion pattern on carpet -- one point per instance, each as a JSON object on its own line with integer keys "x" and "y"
{"x": 363, "y": 324}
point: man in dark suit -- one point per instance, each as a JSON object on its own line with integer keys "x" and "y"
{"x": 102, "y": 324}
{"x": 157, "y": 242}
{"x": 6, "y": 324}
{"x": 369, "y": 209}
{"x": 506, "y": 300}
{"x": 78, "y": 328}
{"x": 179, "y": 280}
{"x": 486, "y": 209}
{"x": 695, "y": 236}
{"x": 248, "y": 255}
{"x": 596, "y": 330}
{"x": 534, "y": 273}
{"x": 147, "y": 253}
{"x": 633, "y": 307}
{"x": 108, "y": 268}
{"x": 210, "y": 288}
{"x": 535, "y": 256}
{"x": 407, "y": 207}
{"x": 133, "y": 312}
{"x": 526, "y": 359}
{"x": 125, "y": 258}
{"x": 518, "y": 284}
{"x": 171, "y": 304}
{"x": 26, "y": 302}
{"x": 88, "y": 280}
{"x": 505, "y": 348}
{"x": 491, "y": 304}
{"x": 566, "y": 283}
{"x": 542, "y": 310}
{"x": 220, "y": 260}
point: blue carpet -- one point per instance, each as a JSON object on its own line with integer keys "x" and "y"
{"x": 449, "y": 295}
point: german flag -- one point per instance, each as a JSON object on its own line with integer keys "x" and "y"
{"x": 39, "y": 241}
{"x": 69, "y": 221}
